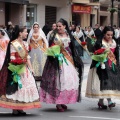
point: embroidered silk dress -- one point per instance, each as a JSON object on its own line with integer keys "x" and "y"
{"x": 104, "y": 83}
{"x": 60, "y": 88}
{"x": 38, "y": 58}
{"x": 27, "y": 96}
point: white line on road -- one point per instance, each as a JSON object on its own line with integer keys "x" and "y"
{"x": 9, "y": 113}
{"x": 89, "y": 117}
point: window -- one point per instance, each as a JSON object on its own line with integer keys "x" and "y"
{"x": 31, "y": 15}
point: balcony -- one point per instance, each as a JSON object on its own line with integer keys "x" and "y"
{"x": 81, "y": 1}
{"x": 94, "y": 0}
{"x": 108, "y": 2}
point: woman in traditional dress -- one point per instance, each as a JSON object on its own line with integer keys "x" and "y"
{"x": 90, "y": 39}
{"x": 4, "y": 41}
{"x": 21, "y": 91}
{"x": 53, "y": 28}
{"x": 38, "y": 43}
{"x": 79, "y": 36}
{"x": 60, "y": 83}
{"x": 104, "y": 77}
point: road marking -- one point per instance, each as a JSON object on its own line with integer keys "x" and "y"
{"x": 89, "y": 117}
{"x": 9, "y": 113}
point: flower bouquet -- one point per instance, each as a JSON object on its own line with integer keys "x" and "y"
{"x": 54, "y": 51}
{"x": 100, "y": 56}
{"x": 93, "y": 40}
{"x": 17, "y": 70}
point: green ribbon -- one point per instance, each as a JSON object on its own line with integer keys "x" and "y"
{"x": 113, "y": 66}
{"x": 61, "y": 58}
{"x": 16, "y": 78}
{"x": 98, "y": 64}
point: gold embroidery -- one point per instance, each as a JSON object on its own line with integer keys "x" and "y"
{"x": 36, "y": 65}
{"x": 110, "y": 56}
{"x": 63, "y": 51}
{"x": 20, "y": 49}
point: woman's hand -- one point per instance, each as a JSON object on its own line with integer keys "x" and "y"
{"x": 32, "y": 71}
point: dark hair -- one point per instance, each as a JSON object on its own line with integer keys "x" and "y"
{"x": 107, "y": 28}
{"x": 2, "y": 33}
{"x": 114, "y": 26}
{"x": 16, "y": 31}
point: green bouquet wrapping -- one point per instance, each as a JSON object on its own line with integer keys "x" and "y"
{"x": 17, "y": 70}
{"x": 100, "y": 56}
{"x": 55, "y": 52}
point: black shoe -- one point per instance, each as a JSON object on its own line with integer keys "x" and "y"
{"x": 111, "y": 105}
{"x": 102, "y": 106}
{"x": 21, "y": 112}
{"x": 15, "y": 113}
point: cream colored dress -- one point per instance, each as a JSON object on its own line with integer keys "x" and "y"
{"x": 93, "y": 84}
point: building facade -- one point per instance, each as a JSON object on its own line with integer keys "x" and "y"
{"x": 87, "y": 13}
{"x": 41, "y": 11}
{"x": 12, "y": 10}
{"x": 79, "y": 12}
{"x": 105, "y": 15}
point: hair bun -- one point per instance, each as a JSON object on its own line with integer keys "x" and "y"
{"x": 2, "y": 32}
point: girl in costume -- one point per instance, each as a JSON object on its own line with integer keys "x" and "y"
{"x": 21, "y": 91}
{"x": 38, "y": 43}
{"x": 61, "y": 83}
{"x": 104, "y": 75}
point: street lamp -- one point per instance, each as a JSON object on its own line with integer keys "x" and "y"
{"x": 112, "y": 9}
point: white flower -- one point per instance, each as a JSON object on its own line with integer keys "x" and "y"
{"x": 102, "y": 66}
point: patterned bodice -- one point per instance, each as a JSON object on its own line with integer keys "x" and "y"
{"x": 109, "y": 46}
{"x": 65, "y": 41}
{"x": 36, "y": 37}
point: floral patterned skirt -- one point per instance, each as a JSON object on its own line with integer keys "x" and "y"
{"x": 69, "y": 81}
{"x": 26, "y": 97}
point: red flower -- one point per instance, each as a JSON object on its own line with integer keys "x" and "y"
{"x": 99, "y": 51}
{"x": 18, "y": 61}
{"x": 52, "y": 44}
{"x": 83, "y": 43}
{"x": 93, "y": 37}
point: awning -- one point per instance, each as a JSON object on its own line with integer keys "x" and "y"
{"x": 24, "y": 2}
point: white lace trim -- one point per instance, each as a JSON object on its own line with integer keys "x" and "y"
{"x": 25, "y": 95}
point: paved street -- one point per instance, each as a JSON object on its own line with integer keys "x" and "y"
{"x": 86, "y": 110}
